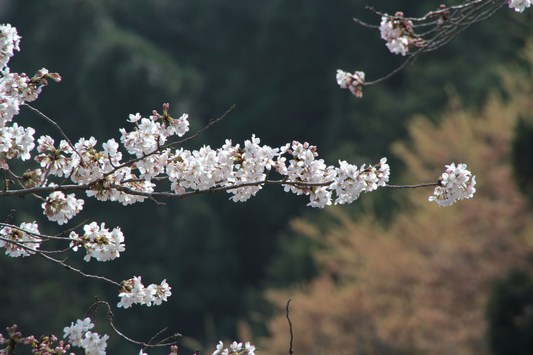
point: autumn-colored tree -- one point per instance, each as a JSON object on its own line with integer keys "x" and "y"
{"x": 421, "y": 284}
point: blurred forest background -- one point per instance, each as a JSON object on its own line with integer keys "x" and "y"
{"x": 390, "y": 274}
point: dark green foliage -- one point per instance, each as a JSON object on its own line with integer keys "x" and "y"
{"x": 522, "y": 155}
{"x": 510, "y": 315}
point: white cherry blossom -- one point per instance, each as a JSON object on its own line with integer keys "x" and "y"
{"x": 60, "y": 208}
{"x": 76, "y": 332}
{"x": 134, "y": 292}
{"x": 99, "y": 242}
{"x": 354, "y": 82}
{"x": 519, "y": 5}
{"x": 20, "y": 241}
{"x": 455, "y": 184}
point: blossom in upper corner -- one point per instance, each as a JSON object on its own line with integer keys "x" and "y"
{"x": 456, "y": 183}
{"x": 399, "y": 34}
{"x": 519, "y": 5}
{"x": 354, "y": 82}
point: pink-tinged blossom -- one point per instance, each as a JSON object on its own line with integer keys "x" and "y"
{"x": 134, "y": 117}
{"x": 351, "y": 181}
{"x": 16, "y": 89}
{"x": 94, "y": 344}
{"x": 9, "y": 43}
{"x": 76, "y": 331}
{"x": 398, "y": 33}
{"x": 133, "y": 291}
{"x": 16, "y": 142}
{"x": 251, "y": 162}
{"x": 56, "y": 161}
{"x": 99, "y": 242}
{"x": 234, "y": 348}
{"x": 79, "y": 334}
{"x": 60, "y": 208}
{"x": 20, "y": 241}
{"x": 455, "y": 184}
{"x": 354, "y": 82}
{"x": 149, "y": 134}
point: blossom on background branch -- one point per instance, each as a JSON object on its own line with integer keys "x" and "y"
{"x": 413, "y": 36}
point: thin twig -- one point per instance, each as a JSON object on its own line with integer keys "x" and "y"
{"x": 110, "y": 316}
{"x": 291, "y": 350}
{"x": 205, "y": 128}
{"x": 364, "y": 24}
{"x": 53, "y": 123}
{"x": 45, "y": 189}
{"x": 412, "y": 186}
{"x": 69, "y": 267}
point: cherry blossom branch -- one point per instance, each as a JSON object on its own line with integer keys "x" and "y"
{"x": 23, "y": 244}
{"x": 444, "y": 24}
{"x": 171, "y": 195}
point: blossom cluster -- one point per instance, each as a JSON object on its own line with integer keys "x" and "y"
{"x": 80, "y": 334}
{"x": 398, "y": 33}
{"x": 9, "y": 43}
{"x": 15, "y": 90}
{"x": 22, "y": 241}
{"x": 456, "y": 183}
{"x": 99, "y": 242}
{"x": 60, "y": 208}
{"x": 519, "y": 5}
{"x": 235, "y": 348}
{"x": 14, "y": 337}
{"x": 354, "y": 82}
{"x": 133, "y": 291}
{"x": 243, "y": 167}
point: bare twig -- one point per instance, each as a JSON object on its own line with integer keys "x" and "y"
{"x": 412, "y": 186}
{"x": 444, "y": 24}
{"x": 56, "y": 126}
{"x": 291, "y": 350}
{"x": 78, "y": 271}
{"x": 168, "y": 341}
{"x": 205, "y": 128}
{"x": 45, "y": 189}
